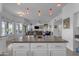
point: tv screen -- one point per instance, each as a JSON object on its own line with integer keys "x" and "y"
{"x": 36, "y": 27}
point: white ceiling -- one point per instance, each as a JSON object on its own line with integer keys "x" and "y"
{"x": 34, "y": 7}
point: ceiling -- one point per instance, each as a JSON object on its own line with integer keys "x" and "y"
{"x": 34, "y": 7}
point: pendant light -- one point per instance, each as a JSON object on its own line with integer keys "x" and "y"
{"x": 59, "y": 5}
{"x": 50, "y": 11}
{"x": 27, "y": 11}
{"x": 39, "y": 12}
{"x": 21, "y": 13}
{"x": 18, "y": 2}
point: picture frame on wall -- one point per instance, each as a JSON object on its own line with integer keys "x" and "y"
{"x": 66, "y": 23}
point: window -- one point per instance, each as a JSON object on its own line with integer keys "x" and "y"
{"x": 19, "y": 28}
{"x": 24, "y": 28}
{"x": 10, "y": 28}
{"x": 3, "y": 28}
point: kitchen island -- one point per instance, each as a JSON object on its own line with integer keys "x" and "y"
{"x": 38, "y": 47}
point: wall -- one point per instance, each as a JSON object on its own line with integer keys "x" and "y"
{"x": 56, "y": 21}
{"x": 68, "y": 34}
{"x": 68, "y": 10}
{"x": 0, "y": 14}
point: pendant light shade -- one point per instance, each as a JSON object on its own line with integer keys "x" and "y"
{"x": 27, "y": 11}
{"x": 18, "y": 2}
{"x": 39, "y": 12}
{"x": 50, "y": 11}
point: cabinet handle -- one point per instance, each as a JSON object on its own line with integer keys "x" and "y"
{"x": 21, "y": 46}
{"x": 39, "y": 46}
{"x": 58, "y": 46}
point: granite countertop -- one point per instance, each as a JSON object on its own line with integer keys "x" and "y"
{"x": 2, "y": 36}
{"x": 40, "y": 40}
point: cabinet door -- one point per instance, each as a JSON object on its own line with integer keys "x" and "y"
{"x": 59, "y": 53}
{"x": 40, "y": 53}
{"x": 57, "y": 46}
{"x": 20, "y": 53}
{"x": 39, "y": 49}
{"x": 20, "y": 49}
{"x": 38, "y": 46}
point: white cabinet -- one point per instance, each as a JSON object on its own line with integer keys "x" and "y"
{"x": 20, "y": 52}
{"x": 39, "y": 49}
{"x": 59, "y": 53}
{"x": 56, "y": 46}
{"x": 21, "y": 49}
{"x": 57, "y": 49}
{"x": 39, "y": 53}
{"x": 2, "y": 45}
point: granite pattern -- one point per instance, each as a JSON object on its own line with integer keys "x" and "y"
{"x": 40, "y": 40}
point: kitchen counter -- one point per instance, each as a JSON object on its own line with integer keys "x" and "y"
{"x": 48, "y": 46}
{"x": 41, "y": 40}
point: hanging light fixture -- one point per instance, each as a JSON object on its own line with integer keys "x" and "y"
{"x": 27, "y": 11}
{"x": 39, "y": 12}
{"x": 59, "y": 4}
{"x": 50, "y": 11}
{"x": 18, "y": 2}
{"x": 21, "y": 13}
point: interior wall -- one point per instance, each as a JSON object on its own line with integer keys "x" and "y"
{"x": 68, "y": 34}
{"x": 68, "y": 11}
{"x": 56, "y": 21}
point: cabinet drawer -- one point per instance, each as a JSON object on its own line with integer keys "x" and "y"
{"x": 39, "y": 53}
{"x": 21, "y": 46}
{"x": 59, "y": 53}
{"x": 39, "y": 46}
{"x": 20, "y": 52}
{"x": 57, "y": 46}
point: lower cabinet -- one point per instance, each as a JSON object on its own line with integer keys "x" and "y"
{"x": 57, "y": 49}
{"x": 40, "y": 49}
{"x": 39, "y": 53}
{"x": 21, "y": 49}
{"x": 58, "y": 53}
{"x": 19, "y": 52}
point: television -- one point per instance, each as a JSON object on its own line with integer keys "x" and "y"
{"x": 36, "y": 27}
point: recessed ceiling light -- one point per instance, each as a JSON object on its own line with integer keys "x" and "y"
{"x": 59, "y": 4}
